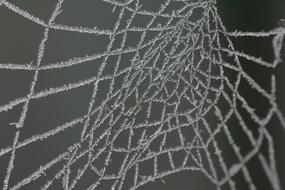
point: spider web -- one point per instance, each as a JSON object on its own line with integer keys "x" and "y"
{"x": 169, "y": 98}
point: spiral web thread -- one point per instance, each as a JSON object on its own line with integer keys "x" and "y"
{"x": 172, "y": 83}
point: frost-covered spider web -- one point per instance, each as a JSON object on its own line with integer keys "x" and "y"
{"x": 164, "y": 89}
